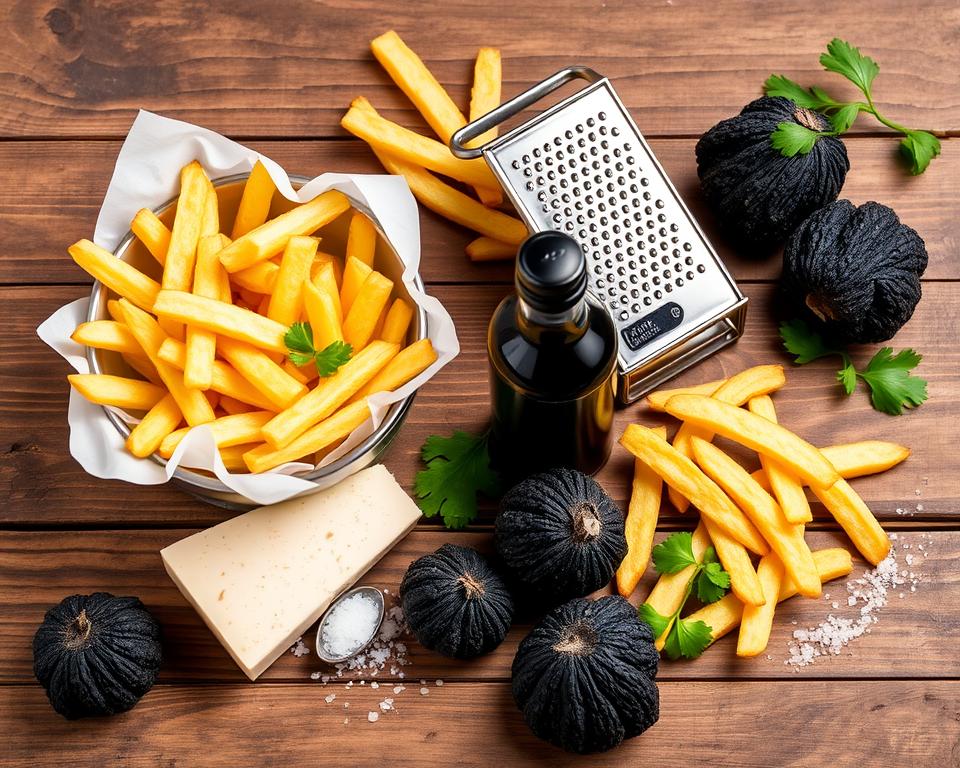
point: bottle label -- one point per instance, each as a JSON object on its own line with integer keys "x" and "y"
{"x": 649, "y": 327}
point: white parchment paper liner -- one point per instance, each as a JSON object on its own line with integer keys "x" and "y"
{"x": 147, "y": 174}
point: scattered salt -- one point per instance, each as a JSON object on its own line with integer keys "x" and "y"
{"x": 398, "y": 689}
{"x": 351, "y": 623}
{"x": 374, "y": 684}
{"x": 439, "y": 682}
{"x": 330, "y": 698}
{"x": 314, "y": 675}
{"x": 386, "y": 705}
{"x": 373, "y": 716}
{"x": 299, "y": 648}
{"x": 424, "y": 691}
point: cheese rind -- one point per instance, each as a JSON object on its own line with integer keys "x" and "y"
{"x": 262, "y": 578}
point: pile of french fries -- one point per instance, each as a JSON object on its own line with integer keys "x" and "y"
{"x": 418, "y": 158}
{"x": 208, "y": 338}
{"x": 745, "y": 515}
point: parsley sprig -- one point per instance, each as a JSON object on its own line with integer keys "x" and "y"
{"x": 299, "y": 341}
{"x": 458, "y": 467}
{"x": 918, "y": 147}
{"x": 892, "y": 387}
{"x": 686, "y": 638}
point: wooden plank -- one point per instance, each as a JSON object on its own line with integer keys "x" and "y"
{"x": 85, "y": 68}
{"x": 42, "y": 483}
{"x": 67, "y": 181}
{"x": 38, "y": 569}
{"x": 701, "y": 723}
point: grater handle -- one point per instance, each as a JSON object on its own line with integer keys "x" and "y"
{"x": 459, "y": 140}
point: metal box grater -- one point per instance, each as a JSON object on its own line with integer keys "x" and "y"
{"x": 583, "y": 168}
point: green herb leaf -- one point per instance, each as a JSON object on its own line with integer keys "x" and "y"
{"x": 688, "y": 639}
{"x": 846, "y": 60}
{"x": 709, "y": 556}
{"x": 657, "y": 621}
{"x": 843, "y": 117}
{"x": 792, "y": 138}
{"x": 299, "y": 339}
{"x": 712, "y": 583}
{"x": 847, "y": 376}
{"x": 801, "y": 340}
{"x": 919, "y": 147}
{"x": 891, "y": 385}
{"x": 778, "y": 85}
{"x": 674, "y": 553}
{"x": 458, "y": 467}
{"x": 330, "y": 358}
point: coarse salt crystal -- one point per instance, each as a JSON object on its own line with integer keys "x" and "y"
{"x": 373, "y": 716}
{"x": 350, "y": 625}
{"x": 299, "y": 648}
{"x": 330, "y": 698}
{"x": 424, "y": 691}
{"x": 439, "y": 682}
{"x": 374, "y": 684}
{"x": 398, "y": 689}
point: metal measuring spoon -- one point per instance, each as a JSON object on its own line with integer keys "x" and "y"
{"x": 374, "y": 594}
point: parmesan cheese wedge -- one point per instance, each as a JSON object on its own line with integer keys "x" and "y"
{"x": 261, "y": 579}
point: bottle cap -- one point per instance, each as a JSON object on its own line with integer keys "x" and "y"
{"x": 551, "y": 272}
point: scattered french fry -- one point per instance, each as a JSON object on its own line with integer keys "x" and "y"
{"x": 409, "y": 362}
{"x": 487, "y": 249}
{"x": 254, "y": 202}
{"x": 787, "y": 489}
{"x": 681, "y": 473}
{"x": 361, "y": 239}
{"x": 735, "y": 559}
{"x": 116, "y": 274}
{"x": 274, "y": 383}
{"x": 227, "y": 430}
{"x": 757, "y": 433}
{"x": 107, "y": 334}
{"x": 152, "y": 232}
{"x": 641, "y": 522}
{"x": 365, "y": 309}
{"x": 286, "y": 300}
{"x": 325, "y": 279}
{"x": 120, "y": 392}
{"x": 185, "y": 234}
{"x": 856, "y": 519}
{"x": 864, "y": 458}
{"x": 355, "y": 273}
{"x": 396, "y": 322}
{"x": 323, "y": 316}
{"x": 484, "y": 98}
{"x": 202, "y": 343}
{"x": 260, "y": 278}
{"x": 658, "y": 399}
{"x": 145, "y": 438}
{"x": 757, "y": 620}
{"x": 328, "y": 395}
{"x": 318, "y": 437}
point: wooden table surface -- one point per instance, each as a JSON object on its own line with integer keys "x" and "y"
{"x": 278, "y": 76}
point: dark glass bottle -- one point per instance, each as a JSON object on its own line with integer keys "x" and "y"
{"x": 553, "y": 355}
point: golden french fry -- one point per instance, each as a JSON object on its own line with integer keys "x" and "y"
{"x": 736, "y": 390}
{"x": 856, "y": 519}
{"x": 116, "y": 274}
{"x": 104, "y": 389}
{"x": 270, "y": 238}
{"x": 152, "y": 232}
{"x": 232, "y": 457}
{"x": 233, "y": 406}
{"x": 235, "y": 429}
{"x": 640, "y": 524}
{"x": 260, "y": 278}
{"x": 328, "y": 258}
{"x": 409, "y": 362}
{"x": 755, "y": 432}
{"x": 255, "y": 201}
{"x": 355, "y": 274}
{"x": 325, "y": 279}
{"x": 318, "y": 437}
{"x": 419, "y": 84}
{"x": 185, "y": 234}
{"x": 365, "y": 310}
{"x": 223, "y": 319}
{"x": 304, "y": 375}
{"x": 212, "y": 397}
{"x": 736, "y": 561}
{"x": 145, "y": 438}
{"x": 269, "y": 379}
{"x": 193, "y": 405}
{"x": 362, "y": 239}
{"x": 106, "y": 334}
{"x": 328, "y": 395}
{"x": 113, "y": 309}
{"x": 226, "y": 380}
{"x": 757, "y": 620}
{"x": 365, "y": 123}
{"x": 488, "y": 249}
{"x": 785, "y": 538}
{"x": 210, "y": 223}
{"x": 484, "y": 98}
{"x": 142, "y": 365}
{"x": 681, "y": 473}
{"x": 864, "y": 458}
{"x": 201, "y": 343}
{"x": 396, "y": 322}
{"x": 724, "y": 615}
{"x": 671, "y": 588}
{"x": 323, "y": 316}
{"x": 787, "y": 489}
{"x": 286, "y": 301}
{"x": 443, "y": 199}
{"x": 658, "y": 399}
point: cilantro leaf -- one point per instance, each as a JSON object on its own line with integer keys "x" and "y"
{"x": 458, "y": 467}
{"x": 778, "y": 85}
{"x": 688, "y": 639}
{"x": 891, "y": 385}
{"x": 657, "y": 621}
{"x": 331, "y": 357}
{"x": 674, "y": 553}
{"x": 843, "y": 117}
{"x": 707, "y": 590}
{"x": 792, "y": 138}
{"x": 847, "y": 376}
{"x": 919, "y": 147}
{"x": 299, "y": 341}
{"x": 709, "y": 556}
{"x": 801, "y": 340}
{"x": 846, "y": 60}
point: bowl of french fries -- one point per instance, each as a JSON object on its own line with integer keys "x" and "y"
{"x": 278, "y": 325}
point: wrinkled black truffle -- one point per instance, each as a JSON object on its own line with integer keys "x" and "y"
{"x": 854, "y": 272}
{"x": 757, "y": 194}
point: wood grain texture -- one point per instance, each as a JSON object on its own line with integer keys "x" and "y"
{"x": 38, "y": 569}
{"x": 48, "y": 202}
{"x": 81, "y": 68}
{"x": 42, "y": 483}
{"x": 876, "y": 723}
